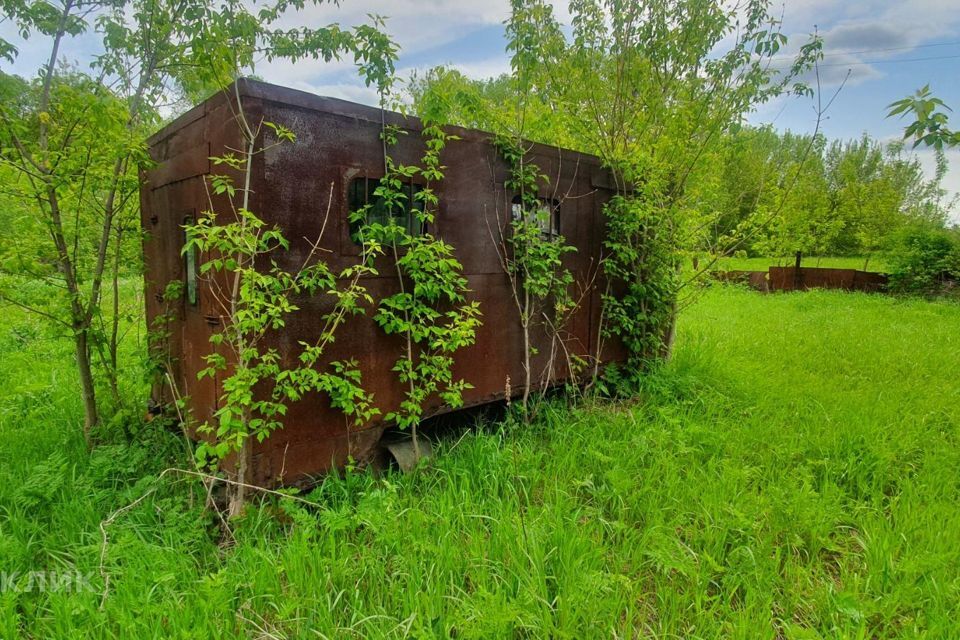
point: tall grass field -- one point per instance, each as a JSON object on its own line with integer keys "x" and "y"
{"x": 792, "y": 473}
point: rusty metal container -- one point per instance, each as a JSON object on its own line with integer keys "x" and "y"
{"x": 338, "y": 143}
{"x": 798, "y": 279}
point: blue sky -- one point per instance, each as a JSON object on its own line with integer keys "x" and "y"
{"x": 889, "y": 49}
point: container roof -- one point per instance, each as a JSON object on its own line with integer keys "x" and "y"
{"x": 247, "y": 87}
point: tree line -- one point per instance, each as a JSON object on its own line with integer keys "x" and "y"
{"x": 758, "y": 191}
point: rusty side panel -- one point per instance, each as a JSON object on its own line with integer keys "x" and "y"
{"x": 171, "y": 193}
{"x": 302, "y": 188}
{"x": 793, "y": 279}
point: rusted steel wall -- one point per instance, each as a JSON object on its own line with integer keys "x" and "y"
{"x": 302, "y": 187}
{"x": 793, "y": 279}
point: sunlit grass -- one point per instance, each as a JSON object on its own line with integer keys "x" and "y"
{"x": 792, "y": 473}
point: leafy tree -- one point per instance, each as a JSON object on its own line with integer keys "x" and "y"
{"x": 774, "y": 194}
{"x": 788, "y": 193}
{"x": 532, "y": 257}
{"x": 73, "y": 150}
{"x": 485, "y": 104}
{"x": 75, "y": 141}
{"x": 931, "y": 125}
{"x": 925, "y": 260}
{"x": 650, "y": 87}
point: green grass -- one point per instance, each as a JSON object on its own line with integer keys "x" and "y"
{"x": 792, "y": 473}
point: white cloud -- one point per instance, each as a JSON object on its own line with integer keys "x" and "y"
{"x": 415, "y": 25}
{"x": 873, "y": 24}
{"x": 860, "y": 33}
{"x": 930, "y": 17}
{"x": 343, "y": 90}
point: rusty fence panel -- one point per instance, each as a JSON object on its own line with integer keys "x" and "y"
{"x": 803, "y": 278}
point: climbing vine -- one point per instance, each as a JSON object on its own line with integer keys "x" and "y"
{"x": 430, "y": 312}
{"x": 254, "y": 296}
{"x": 642, "y": 262}
{"x": 532, "y": 257}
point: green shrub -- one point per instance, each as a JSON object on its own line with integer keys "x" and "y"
{"x": 925, "y": 261}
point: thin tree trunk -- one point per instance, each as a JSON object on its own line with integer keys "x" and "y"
{"x": 87, "y": 390}
{"x": 48, "y": 77}
{"x": 413, "y": 427}
{"x": 238, "y": 492}
{"x": 666, "y": 351}
{"x": 409, "y": 340}
{"x": 80, "y": 320}
{"x": 670, "y": 338}
{"x": 599, "y": 351}
{"x": 115, "y": 321}
{"x": 526, "y": 356}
